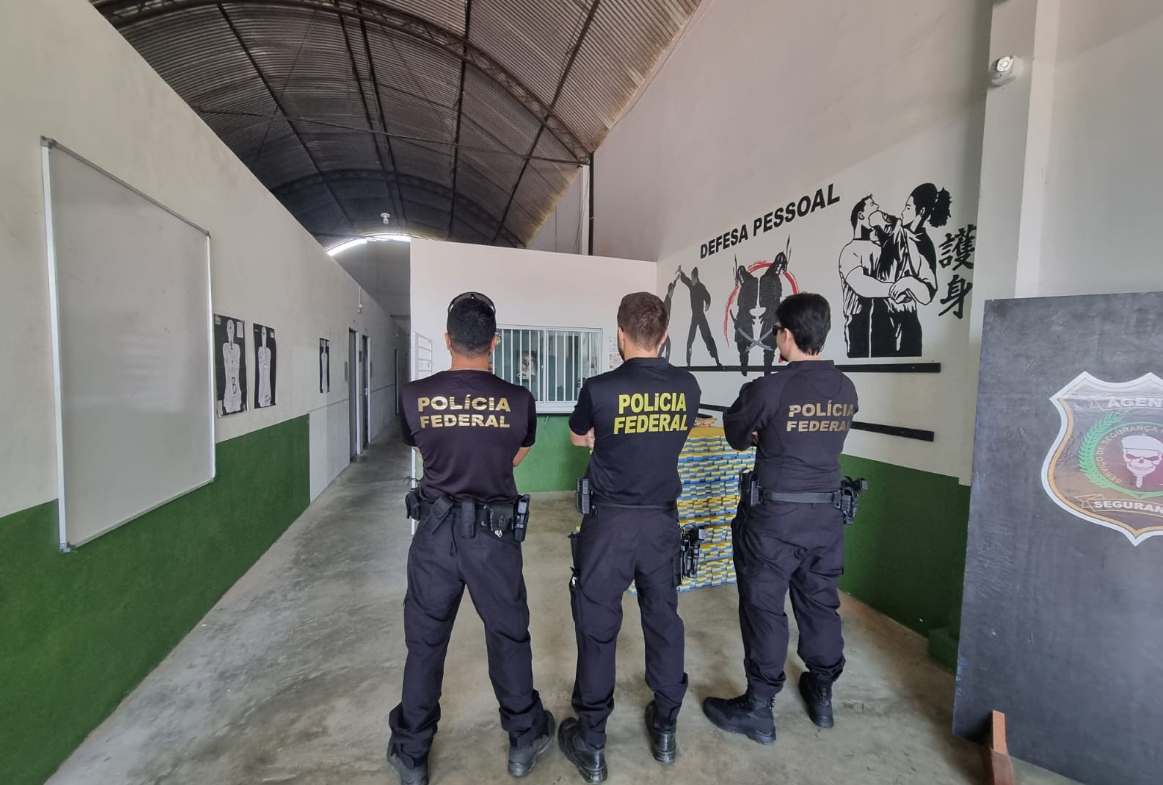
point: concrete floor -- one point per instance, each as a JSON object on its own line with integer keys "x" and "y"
{"x": 289, "y": 679}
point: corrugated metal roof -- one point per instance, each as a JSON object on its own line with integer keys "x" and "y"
{"x": 464, "y": 119}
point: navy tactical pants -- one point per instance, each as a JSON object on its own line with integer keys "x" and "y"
{"x": 780, "y": 547}
{"x": 617, "y": 545}
{"x": 442, "y": 561}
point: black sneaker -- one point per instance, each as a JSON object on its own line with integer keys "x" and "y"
{"x": 523, "y": 759}
{"x": 746, "y": 714}
{"x": 590, "y": 761}
{"x": 409, "y": 775}
{"x": 817, "y": 693}
{"x": 662, "y": 742}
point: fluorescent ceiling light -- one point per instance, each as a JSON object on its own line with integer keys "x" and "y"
{"x": 375, "y": 238}
{"x": 346, "y": 245}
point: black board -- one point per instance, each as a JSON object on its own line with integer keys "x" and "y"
{"x": 1062, "y": 622}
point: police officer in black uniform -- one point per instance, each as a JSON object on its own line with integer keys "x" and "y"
{"x": 636, "y": 418}
{"x": 793, "y": 538}
{"x": 471, "y": 428}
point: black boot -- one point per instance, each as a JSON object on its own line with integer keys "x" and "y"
{"x": 409, "y": 775}
{"x": 590, "y": 761}
{"x": 523, "y": 759}
{"x": 817, "y": 693}
{"x": 746, "y": 714}
{"x": 662, "y": 742}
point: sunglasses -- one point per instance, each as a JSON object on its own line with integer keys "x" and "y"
{"x": 472, "y": 296}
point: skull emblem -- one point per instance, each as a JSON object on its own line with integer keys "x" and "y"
{"x": 1143, "y": 454}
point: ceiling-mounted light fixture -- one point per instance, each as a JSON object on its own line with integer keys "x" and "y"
{"x": 387, "y": 218}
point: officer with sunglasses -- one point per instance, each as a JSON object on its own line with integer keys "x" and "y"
{"x": 471, "y": 429}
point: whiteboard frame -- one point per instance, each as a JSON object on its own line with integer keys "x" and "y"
{"x": 47, "y": 146}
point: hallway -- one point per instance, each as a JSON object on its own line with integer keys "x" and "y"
{"x": 289, "y": 679}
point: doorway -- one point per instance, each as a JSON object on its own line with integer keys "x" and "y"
{"x": 352, "y": 376}
{"x": 365, "y": 396}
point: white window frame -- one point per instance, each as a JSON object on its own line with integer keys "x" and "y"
{"x": 544, "y": 406}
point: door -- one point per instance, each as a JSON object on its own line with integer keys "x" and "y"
{"x": 352, "y": 376}
{"x": 365, "y": 392}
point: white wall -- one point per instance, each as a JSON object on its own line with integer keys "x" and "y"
{"x": 66, "y": 73}
{"x": 762, "y": 102}
{"x": 529, "y": 288}
{"x": 381, "y": 268}
{"x": 1105, "y": 174}
{"x": 565, "y": 230}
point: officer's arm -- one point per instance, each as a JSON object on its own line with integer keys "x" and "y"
{"x": 581, "y": 422}
{"x": 745, "y": 417}
{"x": 530, "y": 429}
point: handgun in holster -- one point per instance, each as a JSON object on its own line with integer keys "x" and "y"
{"x": 750, "y": 494}
{"x": 520, "y": 517}
{"x": 692, "y": 541}
{"x": 850, "y": 491}
{"x": 582, "y": 499}
{"x": 412, "y": 504}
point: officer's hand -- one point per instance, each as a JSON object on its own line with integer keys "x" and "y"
{"x": 755, "y": 437}
{"x": 590, "y": 439}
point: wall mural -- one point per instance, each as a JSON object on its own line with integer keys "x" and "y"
{"x": 901, "y": 273}
{"x": 749, "y": 321}
{"x": 888, "y": 272}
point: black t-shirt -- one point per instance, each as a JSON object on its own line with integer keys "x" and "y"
{"x": 802, "y": 415}
{"x": 641, "y": 413}
{"x": 468, "y": 426}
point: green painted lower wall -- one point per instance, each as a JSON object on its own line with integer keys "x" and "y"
{"x": 905, "y": 556}
{"x": 553, "y": 464}
{"x": 78, "y": 631}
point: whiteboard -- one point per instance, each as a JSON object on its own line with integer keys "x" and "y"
{"x": 129, "y": 293}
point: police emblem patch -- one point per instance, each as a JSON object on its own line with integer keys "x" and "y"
{"x": 1107, "y": 465}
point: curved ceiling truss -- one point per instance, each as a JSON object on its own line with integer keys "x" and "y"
{"x": 462, "y": 119}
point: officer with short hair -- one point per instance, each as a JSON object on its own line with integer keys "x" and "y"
{"x": 471, "y": 428}
{"x": 636, "y": 418}
{"x": 793, "y": 538}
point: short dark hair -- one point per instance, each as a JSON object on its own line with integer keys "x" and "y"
{"x": 642, "y": 317}
{"x": 809, "y": 318}
{"x": 858, "y": 209}
{"x": 471, "y": 327}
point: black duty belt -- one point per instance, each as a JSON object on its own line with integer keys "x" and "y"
{"x": 484, "y": 515}
{"x": 467, "y": 515}
{"x": 586, "y": 500}
{"x": 665, "y": 506}
{"x": 832, "y": 498}
{"x": 751, "y": 494}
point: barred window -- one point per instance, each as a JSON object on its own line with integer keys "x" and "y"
{"x": 551, "y": 363}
